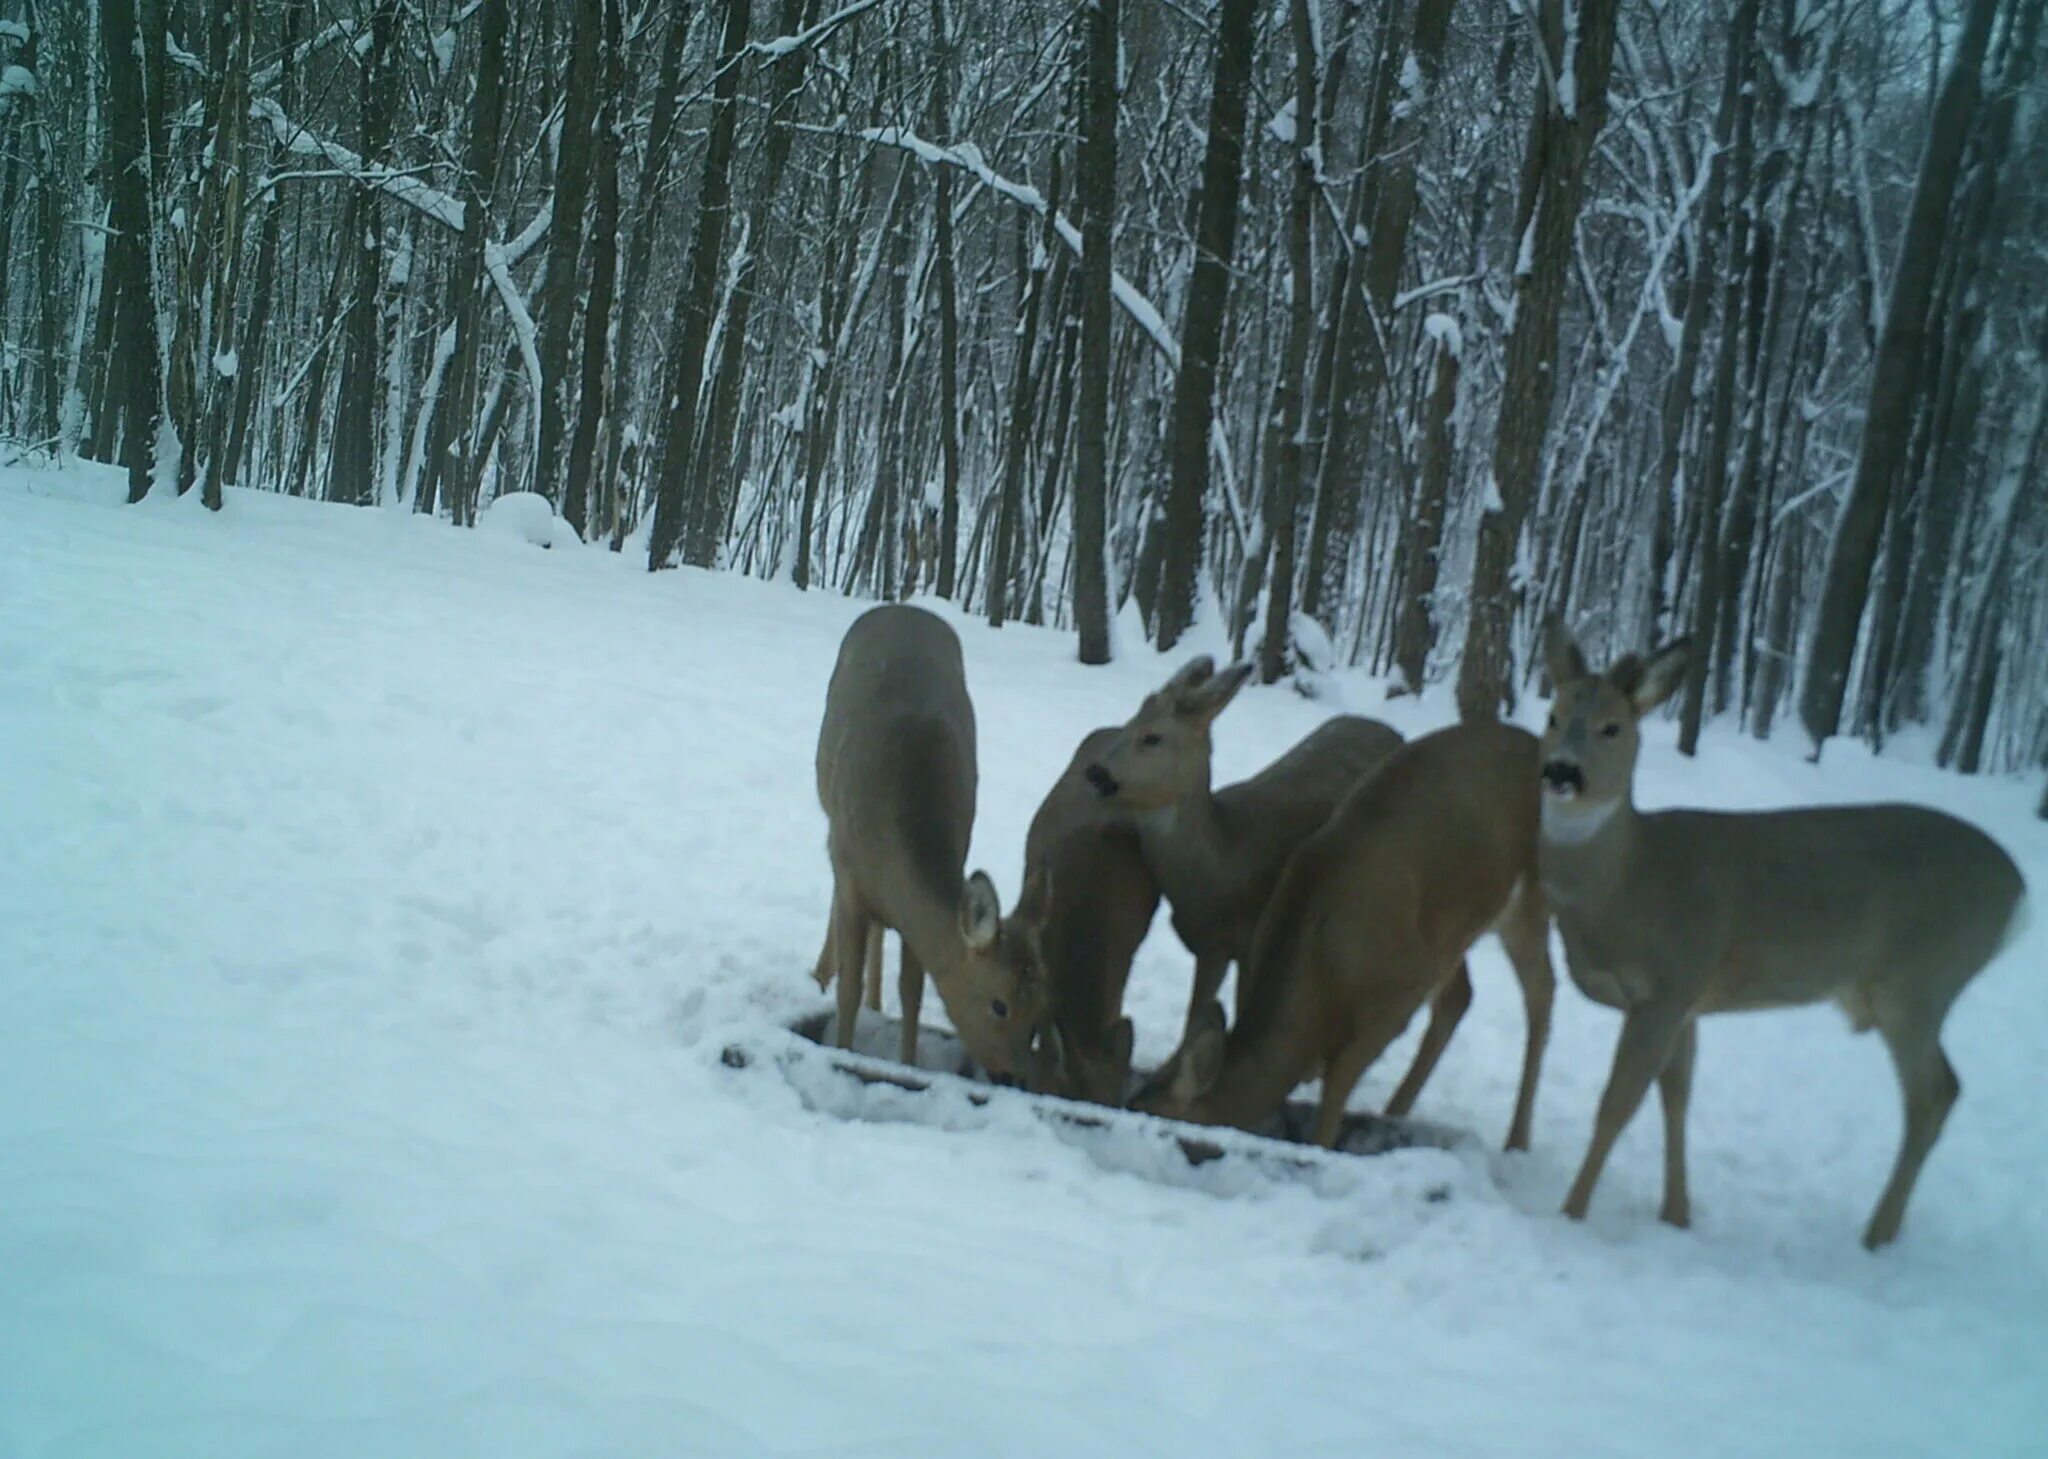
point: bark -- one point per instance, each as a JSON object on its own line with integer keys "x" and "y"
{"x": 1201, "y": 336}
{"x": 1415, "y": 623}
{"x": 452, "y": 449}
{"x": 1017, "y": 442}
{"x": 352, "y": 464}
{"x": 593, "y": 417}
{"x": 566, "y": 232}
{"x": 129, "y": 295}
{"x": 1560, "y": 145}
{"x": 718, "y": 483}
{"x": 1365, "y": 340}
{"x": 1712, "y": 485}
{"x": 1095, "y": 191}
{"x": 1290, "y": 450}
{"x": 648, "y": 196}
{"x": 949, "y": 316}
{"x": 1894, "y": 385}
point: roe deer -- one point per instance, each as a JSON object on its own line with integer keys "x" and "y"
{"x": 896, "y": 776}
{"x": 1886, "y": 909}
{"x": 1373, "y": 918}
{"x": 1217, "y": 855}
{"x": 1088, "y": 902}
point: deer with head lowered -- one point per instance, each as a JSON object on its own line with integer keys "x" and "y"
{"x": 1887, "y": 910}
{"x": 1087, "y": 902}
{"x": 897, "y": 777}
{"x": 1371, "y": 920}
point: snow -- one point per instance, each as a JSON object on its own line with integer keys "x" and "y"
{"x": 226, "y": 363}
{"x": 528, "y": 517}
{"x": 16, "y": 81}
{"x": 375, "y": 899}
{"x": 1444, "y": 330}
{"x": 13, "y": 30}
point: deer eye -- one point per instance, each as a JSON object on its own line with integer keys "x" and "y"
{"x": 1610, "y": 729}
{"x": 1553, "y": 721}
{"x": 999, "y": 1008}
{"x": 1152, "y": 741}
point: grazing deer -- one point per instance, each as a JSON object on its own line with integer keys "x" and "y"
{"x": 1088, "y": 902}
{"x": 1887, "y": 910}
{"x": 1373, "y": 918}
{"x": 896, "y": 776}
{"x": 1218, "y": 854}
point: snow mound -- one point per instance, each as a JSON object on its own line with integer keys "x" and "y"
{"x": 527, "y": 515}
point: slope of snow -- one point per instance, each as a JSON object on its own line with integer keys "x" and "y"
{"x": 375, "y": 900}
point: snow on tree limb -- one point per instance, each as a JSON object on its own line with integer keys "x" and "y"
{"x": 969, "y": 159}
{"x": 783, "y": 45}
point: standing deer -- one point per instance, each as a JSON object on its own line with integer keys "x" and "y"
{"x": 1218, "y": 854}
{"x": 1087, "y": 902}
{"x": 1887, "y": 910}
{"x": 1372, "y": 919}
{"x": 896, "y": 776}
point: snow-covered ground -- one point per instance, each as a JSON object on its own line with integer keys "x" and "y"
{"x": 375, "y": 899}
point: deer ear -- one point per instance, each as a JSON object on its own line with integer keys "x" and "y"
{"x": 981, "y": 913}
{"x": 1214, "y": 696}
{"x": 1190, "y": 676}
{"x": 1661, "y": 676}
{"x": 1561, "y": 654}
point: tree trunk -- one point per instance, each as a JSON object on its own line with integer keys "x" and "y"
{"x": 1415, "y": 624}
{"x": 1290, "y": 450}
{"x": 691, "y": 328}
{"x": 1201, "y": 334}
{"x": 566, "y": 231}
{"x": 718, "y": 483}
{"x": 1560, "y": 144}
{"x": 352, "y": 466}
{"x": 453, "y": 452}
{"x": 129, "y": 296}
{"x": 593, "y": 417}
{"x": 1894, "y": 385}
{"x": 1095, "y": 191}
{"x": 949, "y": 313}
{"x": 1365, "y": 341}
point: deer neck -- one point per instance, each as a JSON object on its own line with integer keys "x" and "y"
{"x": 930, "y": 913}
{"x": 1585, "y": 852}
{"x": 1185, "y": 844}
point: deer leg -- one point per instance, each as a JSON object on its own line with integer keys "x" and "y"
{"x": 910, "y": 988}
{"x": 1930, "y": 1087}
{"x": 1209, "y": 973}
{"x": 1526, "y": 937}
{"x": 874, "y": 964}
{"x": 1376, "y": 1026}
{"x": 826, "y": 965}
{"x": 1445, "y": 1009}
{"x": 1674, "y": 1093}
{"x": 850, "y": 940}
{"x": 1647, "y": 1034}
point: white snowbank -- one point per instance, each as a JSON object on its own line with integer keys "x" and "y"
{"x": 528, "y": 516}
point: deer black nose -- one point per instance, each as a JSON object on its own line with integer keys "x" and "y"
{"x": 1102, "y": 780}
{"x": 1563, "y": 775}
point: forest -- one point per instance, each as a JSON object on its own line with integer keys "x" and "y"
{"x": 1344, "y": 333}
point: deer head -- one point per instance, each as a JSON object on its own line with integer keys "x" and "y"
{"x": 1591, "y": 740}
{"x": 1162, "y": 754}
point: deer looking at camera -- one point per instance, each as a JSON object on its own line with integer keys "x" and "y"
{"x": 1087, "y": 903}
{"x": 1888, "y": 910}
{"x": 1217, "y": 855}
{"x": 1371, "y": 920}
{"x": 896, "y": 776}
